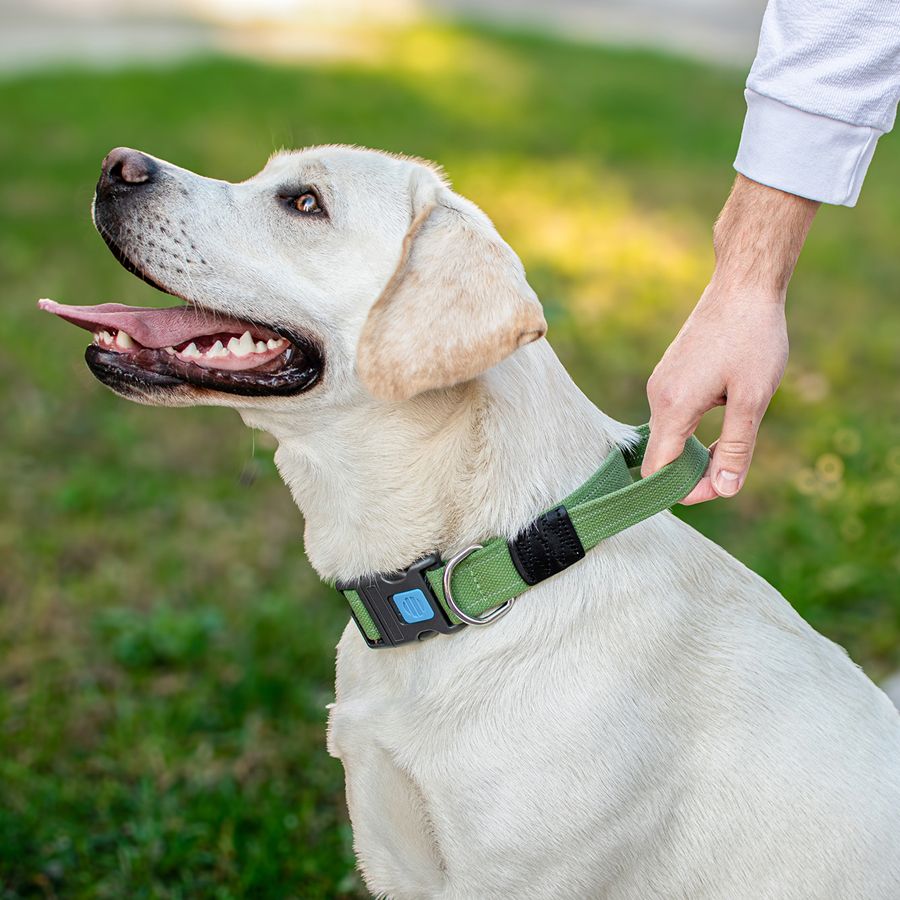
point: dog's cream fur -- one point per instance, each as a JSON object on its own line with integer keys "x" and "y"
{"x": 655, "y": 721}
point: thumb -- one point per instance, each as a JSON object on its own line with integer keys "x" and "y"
{"x": 734, "y": 449}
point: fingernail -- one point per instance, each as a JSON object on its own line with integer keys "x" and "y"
{"x": 727, "y": 484}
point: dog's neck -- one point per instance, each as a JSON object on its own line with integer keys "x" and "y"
{"x": 383, "y": 484}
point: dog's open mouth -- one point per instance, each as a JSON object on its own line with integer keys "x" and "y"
{"x": 189, "y": 345}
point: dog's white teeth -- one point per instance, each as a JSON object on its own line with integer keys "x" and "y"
{"x": 242, "y": 347}
{"x": 236, "y": 348}
{"x": 103, "y": 337}
{"x": 124, "y": 341}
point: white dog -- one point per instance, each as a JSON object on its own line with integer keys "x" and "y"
{"x": 652, "y": 721}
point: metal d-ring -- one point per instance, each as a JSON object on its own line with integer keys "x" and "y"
{"x": 464, "y": 617}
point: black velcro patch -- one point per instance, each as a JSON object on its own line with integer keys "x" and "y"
{"x": 547, "y": 546}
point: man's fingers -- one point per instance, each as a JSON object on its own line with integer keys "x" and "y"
{"x": 662, "y": 448}
{"x": 701, "y": 493}
{"x": 732, "y": 453}
{"x": 669, "y": 429}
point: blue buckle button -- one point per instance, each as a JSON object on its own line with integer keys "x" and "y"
{"x": 402, "y": 605}
{"x": 412, "y": 606}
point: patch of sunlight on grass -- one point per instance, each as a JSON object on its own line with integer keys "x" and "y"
{"x": 433, "y": 52}
{"x": 451, "y": 53}
{"x": 468, "y": 76}
{"x": 583, "y": 223}
{"x": 443, "y": 55}
{"x": 304, "y": 44}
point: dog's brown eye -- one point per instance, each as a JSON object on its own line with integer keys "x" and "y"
{"x": 307, "y": 203}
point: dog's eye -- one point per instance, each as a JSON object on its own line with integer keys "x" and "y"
{"x": 307, "y": 203}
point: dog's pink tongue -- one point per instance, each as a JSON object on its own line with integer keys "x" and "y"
{"x": 152, "y": 328}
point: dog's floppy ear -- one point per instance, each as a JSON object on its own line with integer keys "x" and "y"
{"x": 457, "y": 304}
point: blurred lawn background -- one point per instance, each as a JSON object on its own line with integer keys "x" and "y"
{"x": 166, "y": 654}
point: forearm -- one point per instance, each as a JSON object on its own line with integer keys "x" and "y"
{"x": 758, "y": 238}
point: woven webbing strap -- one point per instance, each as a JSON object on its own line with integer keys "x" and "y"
{"x": 609, "y": 502}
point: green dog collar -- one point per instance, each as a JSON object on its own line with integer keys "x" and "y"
{"x": 432, "y": 597}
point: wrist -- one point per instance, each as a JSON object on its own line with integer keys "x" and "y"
{"x": 740, "y": 286}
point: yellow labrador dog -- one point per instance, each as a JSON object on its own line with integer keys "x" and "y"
{"x": 653, "y": 720}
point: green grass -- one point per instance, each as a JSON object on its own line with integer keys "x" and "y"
{"x": 166, "y": 653}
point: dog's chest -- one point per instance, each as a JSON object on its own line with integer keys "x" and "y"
{"x": 479, "y": 763}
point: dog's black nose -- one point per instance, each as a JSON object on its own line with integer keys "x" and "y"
{"x": 125, "y": 168}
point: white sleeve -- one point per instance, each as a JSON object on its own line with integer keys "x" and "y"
{"x": 822, "y": 90}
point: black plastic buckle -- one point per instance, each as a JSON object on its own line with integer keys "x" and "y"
{"x": 402, "y": 605}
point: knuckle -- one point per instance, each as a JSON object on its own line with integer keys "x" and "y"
{"x": 654, "y": 386}
{"x": 737, "y": 452}
{"x": 752, "y": 402}
{"x": 664, "y": 397}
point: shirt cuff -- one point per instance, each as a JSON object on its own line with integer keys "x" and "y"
{"x": 803, "y": 153}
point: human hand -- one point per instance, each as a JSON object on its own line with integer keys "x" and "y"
{"x": 731, "y": 352}
{"x": 733, "y": 349}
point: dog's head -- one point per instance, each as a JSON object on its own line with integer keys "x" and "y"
{"x": 331, "y": 268}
